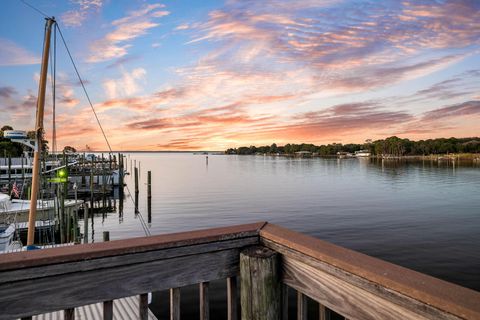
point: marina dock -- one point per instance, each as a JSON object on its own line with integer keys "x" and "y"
{"x": 260, "y": 263}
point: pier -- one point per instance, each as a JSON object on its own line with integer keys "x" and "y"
{"x": 261, "y": 262}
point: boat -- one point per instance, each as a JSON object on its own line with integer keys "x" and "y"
{"x": 362, "y": 153}
{"x": 18, "y": 171}
{"x": 342, "y": 155}
{"x": 15, "y": 134}
{"x": 7, "y": 232}
{"x": 16, "y": 210}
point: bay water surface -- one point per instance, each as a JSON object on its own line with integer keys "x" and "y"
{"x": 421, "y": 215}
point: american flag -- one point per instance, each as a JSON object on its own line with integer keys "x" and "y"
{"x": 15, "y": 191}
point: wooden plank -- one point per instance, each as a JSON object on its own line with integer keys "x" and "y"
{"x": 204, "y": 301}
{"x": 175, "y": 304}
{"x": 143, "y": 306}
{"x": 120, "y": 247}
{"x": 108, "y": 310}
{"x": 70, "y": 290}
{"x": 406, "y": 287}
{"x": 301, "y": 306}
{"x": 232, "y": 305}
{"x": 124, "y": 308}
{"x": 342, "y": 297}
{"x": 284, "y": 302}
{"x": 120, "y": 260}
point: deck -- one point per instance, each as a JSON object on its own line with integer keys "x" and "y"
{"x": 349, "y": 283}
{"x": 123, "y": 309}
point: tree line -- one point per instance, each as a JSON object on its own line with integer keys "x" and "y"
{"x": 393, "y": 146}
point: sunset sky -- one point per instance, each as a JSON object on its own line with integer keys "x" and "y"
{"x": 189, "y": 75}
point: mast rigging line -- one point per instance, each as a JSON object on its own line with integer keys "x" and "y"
{"x": 84, "y": 89}
{"x": 142, "y": 220}
{"x": 28, "y": 4}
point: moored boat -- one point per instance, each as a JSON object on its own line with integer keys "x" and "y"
{"x": 17, "y": 210}
{"x": 6, "y": 236}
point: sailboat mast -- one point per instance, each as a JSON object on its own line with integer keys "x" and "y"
{"x": 39, "y": 132}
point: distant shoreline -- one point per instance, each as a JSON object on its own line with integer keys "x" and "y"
{"x": 432, "y": 157}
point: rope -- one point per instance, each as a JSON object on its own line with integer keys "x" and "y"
{"x": 26, "y": 3}
{"x": 84, "y": 89}
{"x": 142, "y": 220}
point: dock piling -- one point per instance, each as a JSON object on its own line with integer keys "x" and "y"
{"x": 149, "y": 196}
{"x": 136, "y": 190}
{"x": 107, "y": 305}
{"x": 85, "y": 222}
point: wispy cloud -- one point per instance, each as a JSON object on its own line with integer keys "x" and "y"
{"x": 12, "y": 54}
{"x": 7, "y": 92}
{"x": 76, "y": 17}
{"x": 184, "y": 26}
{"x": 115, "y": 44}
{"x": 367, "y": 50}
{"x": 462, "y": 109}
{"x": 125, "y": 86}
{"x": 283, "y": 71}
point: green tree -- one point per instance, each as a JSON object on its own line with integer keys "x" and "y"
{"x": 69, "y": 149}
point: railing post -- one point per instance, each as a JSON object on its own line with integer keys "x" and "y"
{"x": 260, "y": 290}
{"x": 301, "y": 306}
{"x": 285, "y": 302}
{"x": 204, "y": 301}
{"x": 107, "y": 305}
{"x": 143, "y": 306}
{"x": 232, "y": 309}
{"x": 108, "y": 310}
{"x": 175, "y": 304}
{"x": 323, "y": 312}
{"x": 69, "y": 314}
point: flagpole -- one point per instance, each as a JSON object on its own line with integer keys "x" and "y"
{"x": 39, "y": 133}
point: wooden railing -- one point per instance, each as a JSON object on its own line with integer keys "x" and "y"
{"x": 349, "y": 283}
{"x": 358, "y": 286}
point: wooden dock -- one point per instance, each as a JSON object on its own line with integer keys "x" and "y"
{"x": 268, "y": 261}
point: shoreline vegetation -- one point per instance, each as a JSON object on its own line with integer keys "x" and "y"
{"x": 389, "y": 148}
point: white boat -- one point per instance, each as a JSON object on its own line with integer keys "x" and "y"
{"x": 16, "y": 210}
{"x": 362, "y": 153}
{"x": 15, "y": 134}
{"x": 6, "y": 236}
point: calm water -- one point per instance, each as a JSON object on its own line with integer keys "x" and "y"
{"x": 419, "y": 215}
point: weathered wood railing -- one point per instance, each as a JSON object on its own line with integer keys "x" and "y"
{"x": 349, "y": 283}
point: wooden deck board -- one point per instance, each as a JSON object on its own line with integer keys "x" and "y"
{"x": 125, "y": 308}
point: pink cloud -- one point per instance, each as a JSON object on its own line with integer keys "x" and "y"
{"x": 75, "y": 18}
{"x": 12, "y": 54}
{"x": 115, "y": 44}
